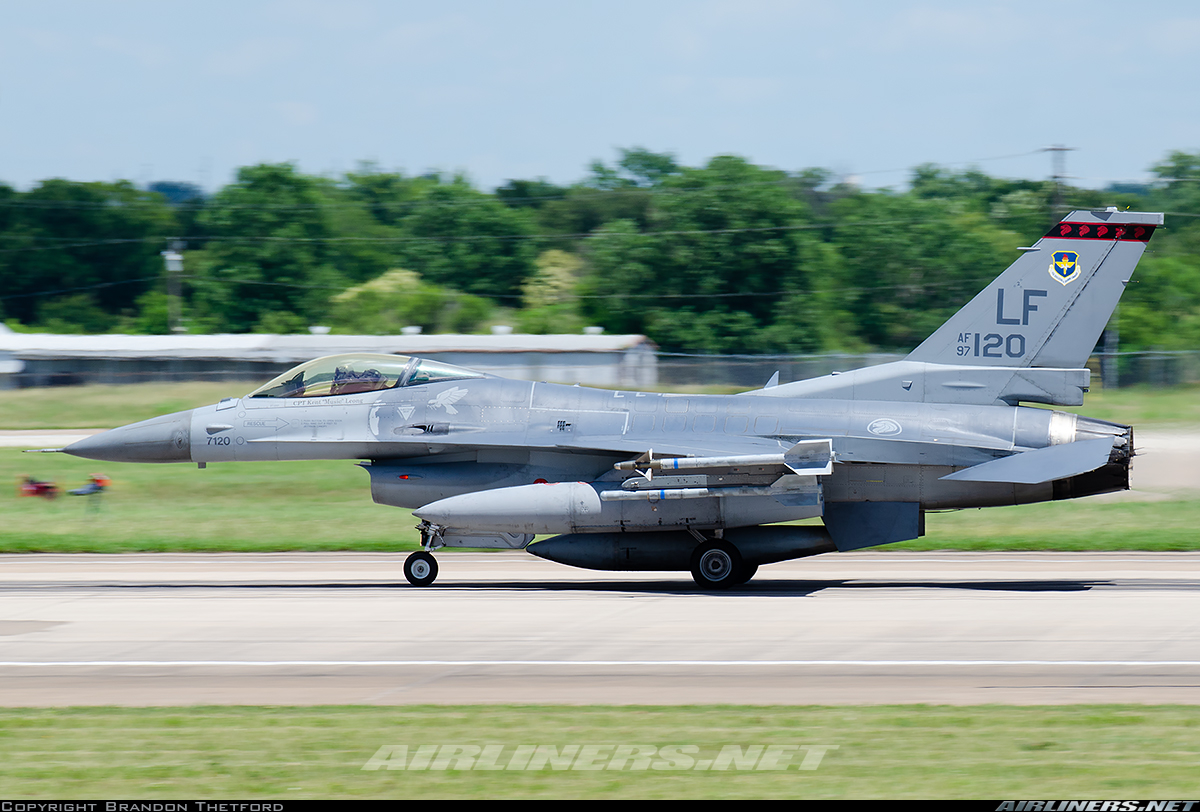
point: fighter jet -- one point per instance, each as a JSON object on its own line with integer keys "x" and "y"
{"x": 627, "y": 480}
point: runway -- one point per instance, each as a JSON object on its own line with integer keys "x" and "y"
{"x": 343, "y": 628}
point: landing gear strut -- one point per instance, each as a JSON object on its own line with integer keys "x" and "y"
{"x": 421, "y": 567}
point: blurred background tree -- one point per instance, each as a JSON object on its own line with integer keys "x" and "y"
{"x": 727, "y": 257}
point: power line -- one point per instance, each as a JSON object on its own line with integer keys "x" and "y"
{"x": 592, "y": 235}
{"x": 955, "y": 163}
{"x": 88, "y": 244}
{"x": 484, "y": 198}
{"x": 598, "y": 234}
{"x": 778, "y": 294}
{"x": 96, "y": 286}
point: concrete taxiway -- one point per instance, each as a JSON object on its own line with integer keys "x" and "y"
{"x": 332, "y": 628}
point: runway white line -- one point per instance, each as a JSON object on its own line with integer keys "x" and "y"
{"x": 1122, "y": 629}
{"x": 645, "y": 663}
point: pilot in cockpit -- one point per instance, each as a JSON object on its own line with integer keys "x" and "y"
{"x": 348, "y": 381}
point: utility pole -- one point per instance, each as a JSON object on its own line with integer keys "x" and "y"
{"x": 1109, "y": 376}
{"x": 1059, "y": 167}
{"x": 173, "y": 258}
{"x": 1112, "y": 333}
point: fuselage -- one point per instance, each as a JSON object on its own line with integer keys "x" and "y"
{"x": 462, "y": 436}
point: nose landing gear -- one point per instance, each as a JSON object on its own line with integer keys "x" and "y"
{"x": 421, "y": 567}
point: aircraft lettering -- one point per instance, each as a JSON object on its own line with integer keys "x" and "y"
{"x": 303, "y": 403}
{"x": 1027, "y": 306}
{"x": 977, "y": 345}
{"x": 274, "y": 423}
{"x": 317, "y": 424}
{"x": 1000, "y": 309}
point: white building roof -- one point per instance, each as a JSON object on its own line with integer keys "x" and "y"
{"x": 292, "y": 348}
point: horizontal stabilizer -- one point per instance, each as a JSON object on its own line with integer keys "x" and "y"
{"x": 917, "y": 382}
{"x": 1041, "y": 465}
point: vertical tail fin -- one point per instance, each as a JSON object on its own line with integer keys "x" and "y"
{"x": 1049, "y": 307}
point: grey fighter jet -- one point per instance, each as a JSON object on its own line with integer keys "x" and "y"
{"x": 707, "y": 483}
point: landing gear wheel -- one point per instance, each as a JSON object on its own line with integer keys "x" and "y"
{"x": 716, "y": 565}
{"x": 748, "y": 571}
{"x": 420, "y": 568}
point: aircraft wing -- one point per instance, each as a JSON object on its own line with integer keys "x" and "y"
{"x": 1042, "y": 464}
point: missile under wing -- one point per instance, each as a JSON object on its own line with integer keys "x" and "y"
{"x": 708, "y": 483}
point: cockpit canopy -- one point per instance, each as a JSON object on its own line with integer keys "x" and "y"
{"x": 358, "y": 372}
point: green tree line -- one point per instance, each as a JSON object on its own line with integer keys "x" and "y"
{"x": 728, "y": 257}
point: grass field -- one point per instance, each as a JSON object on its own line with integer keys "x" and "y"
{"x": 105, "y": 407}
{"x": 262, "y": 506}
{"x": 285, "y": 753}
{"x": 179, "y": 508}
{"x": 1144, "y": 406}
{"x": 881, "y": 752}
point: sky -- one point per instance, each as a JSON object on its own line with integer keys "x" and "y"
{"x": 154, "y": 91}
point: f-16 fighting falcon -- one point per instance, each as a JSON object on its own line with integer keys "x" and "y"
{"x": 707, "y": 483}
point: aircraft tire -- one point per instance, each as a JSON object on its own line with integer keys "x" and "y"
{"x": 716, "y": 564}
{"x": 420, "y": 568}
{"x": 747, "y": 573}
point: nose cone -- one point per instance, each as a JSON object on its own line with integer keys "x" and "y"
{"x": 160, "y": 439}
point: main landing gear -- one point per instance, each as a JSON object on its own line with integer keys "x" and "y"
{"x": 717, "y": 564}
